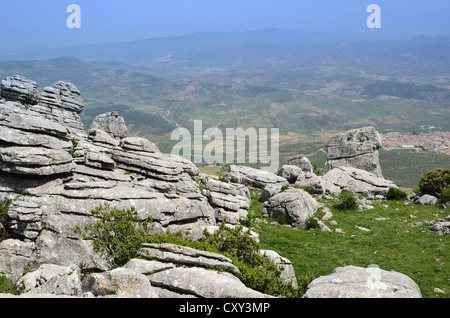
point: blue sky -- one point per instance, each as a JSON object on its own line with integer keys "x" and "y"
{"x": 42, "y": 23}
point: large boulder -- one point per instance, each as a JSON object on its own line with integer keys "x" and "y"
{"x": 293, "y": 206}
{"x": 112, "y": 123}
{"x": 359, "y": 282}
{"x": 301, "y": 162}
{"x": 357, "y": 148}
{"x": 119, "y": 282}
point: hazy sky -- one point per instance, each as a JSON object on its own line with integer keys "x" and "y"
{"x": 42, "y": 23}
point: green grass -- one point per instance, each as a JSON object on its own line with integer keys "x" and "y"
{"x": 391, "y": 244}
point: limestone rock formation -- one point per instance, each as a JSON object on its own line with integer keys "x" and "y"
{"x": 358, "y": 282}
{"x": 357, "y": 148}
{"x": 56, "y": 173}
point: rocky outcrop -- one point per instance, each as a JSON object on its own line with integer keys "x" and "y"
{"x": 56, "y": 173}
{"x": 357, "y": 148}
{"x": 358, "y": 282}
{"x": 166, "y": 271}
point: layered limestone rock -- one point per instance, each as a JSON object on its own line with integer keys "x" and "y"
{"x": 230, "y": 201}
{"x": 56, "y": 173}
{"x": 357, "y": 148}
{"x": 252, "y": 177}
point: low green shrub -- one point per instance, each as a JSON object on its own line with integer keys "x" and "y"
{"x": 117, "y": 234}
{"x": 435, "y": 182}
{"x": 396, "y": 194}
{"x": 4, "y": 206}
{"x": 256, "y": 271}
{"x": 445, "y": 197}
{"x": 347, "y": 201}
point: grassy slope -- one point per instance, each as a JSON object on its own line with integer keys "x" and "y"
{"x": 391, "y": 244}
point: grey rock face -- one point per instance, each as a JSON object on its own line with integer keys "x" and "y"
{"x": 112, "y": 123}
{"x": 293, "y": 206}
{"x": 170, "y": 253}
{"x": 230, "y": 201}
{"x": 120, "y": 282}
{"x": 357, "y": 148}
{"x": 203, "y": 283}
{"x": 18, "y": 88}
{"x": 358, "y": 282}
{"x": 291, "y": 173}
{"x": 252, "y": 177}
{"x": 356, "y": 180}
{"x": 301, "y": 162}
{"x": 139, "y": 144}
{"x": 64, "y": 95}
{"x": 346, "y": 179}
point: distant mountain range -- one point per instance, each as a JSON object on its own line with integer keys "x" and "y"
{"x": 301, "y": 82}
{"x": 271, "y": 49}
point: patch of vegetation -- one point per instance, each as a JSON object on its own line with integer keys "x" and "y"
{"x": 347, "y": 201}
{"x": 396, "y": 194}
{"x": 4, "y": 206}
{"x": 405, "y": 167}
{"x": 119, "y": 234}
{"x": 391, "y": 244}
{"x": 8, "y": 285}
{"x": 445, "y": 197}
{"x": 256, "y": 271}
{"x": 435, "y": 182}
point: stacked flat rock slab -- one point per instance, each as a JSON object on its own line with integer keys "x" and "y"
{"x": 357, "y": 148}
{"x": 56, "y": 173}
{"x": 253, "y": 177}
{"x": 230, "y": 201}
{"x": 18, "y": 88}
